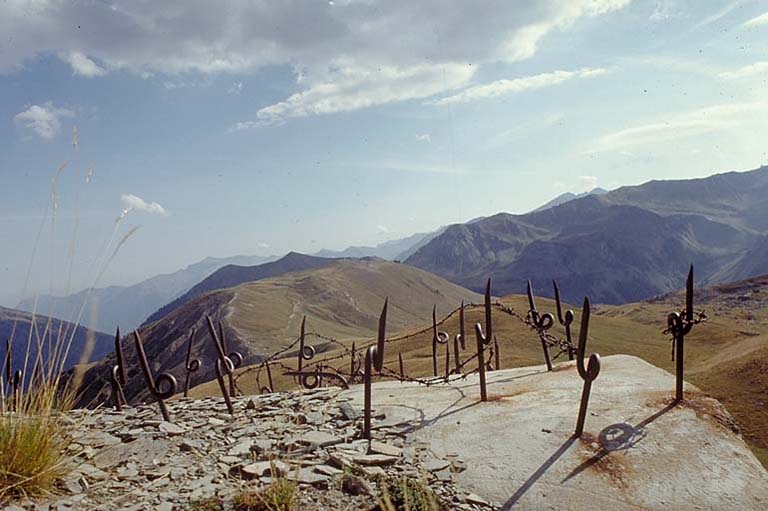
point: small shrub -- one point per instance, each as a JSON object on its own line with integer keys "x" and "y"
{"x": 407, "y": 494}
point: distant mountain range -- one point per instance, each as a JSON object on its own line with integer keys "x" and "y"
{"x": 392, "y": 250}
{"x": 341, "y": 300}
{"x": 625, "y": 245}
{"x": 568, "y": 196}
{"x": 17, "y": 326}
{"x": 128, "y": 306}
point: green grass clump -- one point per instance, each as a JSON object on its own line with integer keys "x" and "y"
{"x": 407, "y": 494}
{"x": 33, "y": 441}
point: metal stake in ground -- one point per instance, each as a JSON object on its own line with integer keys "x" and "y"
{"x": 192, "y": 365}
{"x": 437, "y": 338}
{"x": 589, "y": 373}
{"x": 481, "y": 342}
{"x": 542, "y": 323}
{"x": 374, "y": 358}
{"x": 224, "y": 365}
{"x": 118, "y": 375}
{"x": 163, "y": 387}
{"x": 564, "y": 320}
{"x": 679, "y": 324}
{"x": 234, "y": 356}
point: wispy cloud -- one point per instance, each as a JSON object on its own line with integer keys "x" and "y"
{"x": 503, "y": 87}
{"x": 758, "y": 68}
{"x": 235, "y": 89}
{"x": 43, "y": 119}
{"x": 424, "y": 137}
{"x": 757, "y": 21}
{"x": 136, "y": 203}
{"x": 588, "y": 183}
{"x": 81, "y": 65}
{"x": 692, "y": 123}
{"x": 355, "y": 87}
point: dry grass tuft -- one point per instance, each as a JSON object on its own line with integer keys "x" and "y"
{"x": 407, "y": 494}
{"x": 33, "y": 441}
{"x": 279, "y": 495}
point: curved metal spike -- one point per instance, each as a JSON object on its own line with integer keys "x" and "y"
{"x": 374, "y": 357}
{"x": 588, "y": 373}
{"x": 161, "y": 387}
{"x": 223, "y": 365}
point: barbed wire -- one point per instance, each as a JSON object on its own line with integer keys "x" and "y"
{"x": 355, "y": 358}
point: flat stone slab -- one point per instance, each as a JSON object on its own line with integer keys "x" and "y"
{"x": 638, "y": 451}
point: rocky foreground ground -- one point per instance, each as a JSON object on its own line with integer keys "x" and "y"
{"x": 639, "y": 449}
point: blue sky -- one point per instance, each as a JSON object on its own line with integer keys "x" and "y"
{"x": 262, "y": 127}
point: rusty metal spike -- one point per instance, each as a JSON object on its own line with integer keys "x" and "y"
{"x": 301, "y": 342}
{"x": 462, "y": 331}
{"x": 402, "y": 366}
{"x": 531, "y": 301}
{"x": 223, "y": 365}
{"x": 481, "y": 341}
{"x": 496, "y": 353}
{"x": 447, "y": 361}
{"x": 120, "y": 358}
{"x": 192, "y": 365}
{"x": 155, "y": 384}
{"x": 588, "y": 373}
{"x": 488, "y": 318}
{"x": 456, "y": 354}
{"x": 352, "y": 362}
{"x": 374, "y": 357}
{"x": 269, "y": 378}
{"x": 565, "y": 321}
{"x": 118, "y": 376}
{"x": 689, "y": 295}
{"x": 434, "y": 340}
{"x": 234, "y": 356}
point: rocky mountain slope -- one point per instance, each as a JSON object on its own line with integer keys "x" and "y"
{"x": 128, "y": 306}
{"x": 626, "y": 245}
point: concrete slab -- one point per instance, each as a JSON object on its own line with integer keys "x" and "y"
{"x": 638, "y": 451}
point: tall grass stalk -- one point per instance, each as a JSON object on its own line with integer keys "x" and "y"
{"x": 34, "y": 427}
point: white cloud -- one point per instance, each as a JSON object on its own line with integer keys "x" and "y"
{"x": 757, "y": 68}
{"x": 353, "y": 87}
{"x": 263, "y": 245}
{"x": 235, "y": 89}
{"x": 695, "y": 122}
{"x": 503, "y": 87}
{"x": 382, "y": 229}
{"x": 424, "y": 137}
{"x": 666, "y": 10}
{"x": 43, "y": 119}
{"x": 757, "y": 21}
{"x": 135, "y": 203}
{"x": 349, "y": 55}
{"x": 82, "y": 65}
